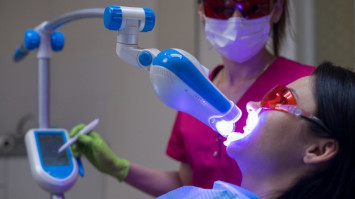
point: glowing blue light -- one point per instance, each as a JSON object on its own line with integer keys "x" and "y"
{"x": 224, "y": 127}
{"x": 252, "y": 121}
{"x": 253, "y": 118}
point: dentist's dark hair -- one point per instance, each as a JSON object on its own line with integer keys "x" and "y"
{"x": 279, "y": 29}
{"x": 335, "y": 98}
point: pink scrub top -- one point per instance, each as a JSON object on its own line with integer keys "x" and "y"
{"x": 196, "y": 144}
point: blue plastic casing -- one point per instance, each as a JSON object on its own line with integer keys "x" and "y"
{"x": 19, "y": 54}
{"x": 57, "y": 41}
{"x": 145, "y": 58}
{"x": 56, "y": 171}
{"x": 149, "y": 20}
{"x": 189, "y": 74}
{"x": 32, "y": 39}
{"x": 113, "y": 17}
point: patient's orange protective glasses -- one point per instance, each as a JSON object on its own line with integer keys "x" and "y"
{"x": 281, "y": 98}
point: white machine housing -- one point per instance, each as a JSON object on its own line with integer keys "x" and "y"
{"x": 182, "y": 83}
{"x": 55, "y": 179}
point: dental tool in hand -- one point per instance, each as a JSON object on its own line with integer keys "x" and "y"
{"x": 85, "y": 130}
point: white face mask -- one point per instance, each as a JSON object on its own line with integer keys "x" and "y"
{"x": 236, "y": 38}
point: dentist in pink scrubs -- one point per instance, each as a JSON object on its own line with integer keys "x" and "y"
{"x": 238, "y": 30}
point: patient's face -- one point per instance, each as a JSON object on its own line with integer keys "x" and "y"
{"x": 279, "y": 138}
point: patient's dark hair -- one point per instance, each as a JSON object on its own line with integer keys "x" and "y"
{"x": 335, "y": 97}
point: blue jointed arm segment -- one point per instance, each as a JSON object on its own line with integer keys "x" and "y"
{"x": 45, "y": 38}
{"x": 20, "y": 53}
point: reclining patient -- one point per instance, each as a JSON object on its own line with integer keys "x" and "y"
{"x": 302, "y": 146}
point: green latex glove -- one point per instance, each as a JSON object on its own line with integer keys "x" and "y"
{"x": 99, "y": 153}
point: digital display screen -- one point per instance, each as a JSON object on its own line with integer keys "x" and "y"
{"x": 50, "y": 143}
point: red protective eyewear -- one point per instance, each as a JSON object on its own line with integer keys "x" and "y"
{"x": 224, "y": 9}
{"x": 283, "y": 99}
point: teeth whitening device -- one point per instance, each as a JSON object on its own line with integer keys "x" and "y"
{"x": 178, "y": 79}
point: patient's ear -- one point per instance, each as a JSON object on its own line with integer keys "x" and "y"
{"x": 323, "y": 150}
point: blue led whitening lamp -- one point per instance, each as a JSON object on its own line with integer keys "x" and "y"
{"x": 55, "y": 172}
{"x": 182, "y": 83}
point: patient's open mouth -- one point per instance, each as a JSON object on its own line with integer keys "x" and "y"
{"x": 253, "y": 117}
